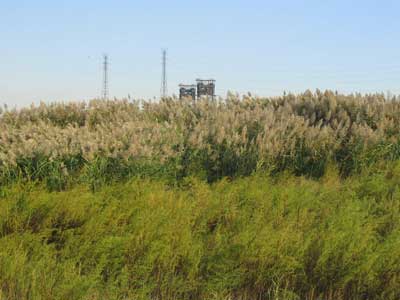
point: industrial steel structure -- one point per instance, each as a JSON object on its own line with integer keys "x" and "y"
{"x": 205, "y": 87}
{"x": 187, "y": 91}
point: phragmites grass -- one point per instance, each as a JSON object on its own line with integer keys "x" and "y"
{"x": 229, "y": 137}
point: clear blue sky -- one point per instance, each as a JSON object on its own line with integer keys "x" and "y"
{"x": 51, "y": 50}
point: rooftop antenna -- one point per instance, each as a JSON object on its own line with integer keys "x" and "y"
{"x": 164, "y": 74}
{"x": 105, "y": 77}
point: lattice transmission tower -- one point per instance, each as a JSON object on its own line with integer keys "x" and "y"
{"x": 164, "y": 90}
{"x": 105, "y": 77}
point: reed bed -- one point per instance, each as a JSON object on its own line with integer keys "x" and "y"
{"x": 103, "y": 141}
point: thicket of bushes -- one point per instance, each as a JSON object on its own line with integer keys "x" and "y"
{"x": 252, "y": 238}
{"x": 105, "y": 141}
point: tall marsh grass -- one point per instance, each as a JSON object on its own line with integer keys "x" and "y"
{"x": 110, "y": 140}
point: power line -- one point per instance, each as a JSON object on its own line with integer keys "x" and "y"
{"x": 105, "y": 77}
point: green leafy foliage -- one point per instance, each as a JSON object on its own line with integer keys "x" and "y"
{"x": 257, "y": 237}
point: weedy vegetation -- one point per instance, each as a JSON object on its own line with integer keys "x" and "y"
{"x": 293, "y": 197}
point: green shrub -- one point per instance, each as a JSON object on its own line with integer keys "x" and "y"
{"x": 258, "y": 237}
